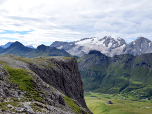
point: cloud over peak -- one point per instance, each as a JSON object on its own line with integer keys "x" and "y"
{"x": 69, "y": 20}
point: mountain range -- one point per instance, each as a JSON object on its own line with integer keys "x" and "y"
{"x": 19, "y": 49}
{"x": 6, "y": 45}
{"x": 107, "y": 45}
{"x": 107, "y": 65}
{"x": 9, "y": 43}
{"x": 123, "y": 73}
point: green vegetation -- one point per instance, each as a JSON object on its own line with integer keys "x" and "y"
{"x": 24, "y": 81}
{"x": 119, "y": 74}
{"x": 72, "y": 104}
{"x": 21, "y": 77}
{"x": 37, "y": 107}
{"x": 29, "y": 87}
{"x": 38, "y": 60}
{"x": 4, "y": 105}
{"x": 79, "y": 59}
{"x": 97, "y": 103}
{"x": 67, "y": 58}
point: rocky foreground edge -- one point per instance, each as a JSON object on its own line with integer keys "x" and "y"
{"x": 41, "y": 86}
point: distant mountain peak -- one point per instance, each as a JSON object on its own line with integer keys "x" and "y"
{"x": 142, "y": 39}
{"x": 108, "y": 45}
{"x": 42, "y": 47}
{"x": 113, "y": 38}
{"x": 140, "y": 46}
{"x": 19, "y": 49}
{"x": 6, "y": 45}
{"x": 17, "y": 44}
{"x": 80, "y": 47}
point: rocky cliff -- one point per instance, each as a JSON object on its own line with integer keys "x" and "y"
{"x": 41, "y": 85}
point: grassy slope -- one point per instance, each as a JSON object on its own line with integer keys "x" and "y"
{"x": 97, "y": 103}
{"x": 72, "y": 104}
{"x": 124, "y": 74}
{"x": 24, "y": 81}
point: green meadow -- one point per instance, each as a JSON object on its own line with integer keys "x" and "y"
{"x": 97, "y": 103}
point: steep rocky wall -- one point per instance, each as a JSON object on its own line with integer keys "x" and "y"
{"x": 63, "y": 74}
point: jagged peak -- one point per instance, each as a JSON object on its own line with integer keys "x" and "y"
{"x": 113, "y": 38}
{"x": 142, "y": 38}
{"x": 16, "y": 43}
{"x": 42, "y": 45}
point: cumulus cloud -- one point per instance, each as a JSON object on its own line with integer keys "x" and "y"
{"x": 70, "y": 20}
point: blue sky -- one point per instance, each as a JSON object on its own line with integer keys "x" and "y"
{"x": 45, "y": 21}
{"x": 15, "y": 32}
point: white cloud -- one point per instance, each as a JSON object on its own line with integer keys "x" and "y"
{"x": 5, "y": 41}
{"x": 1, "y": 31}
{"x": 69, "y": 20}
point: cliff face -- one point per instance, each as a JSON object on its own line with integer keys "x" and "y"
{"x": 62, "y": 74}
{"x": 41, "y": 85}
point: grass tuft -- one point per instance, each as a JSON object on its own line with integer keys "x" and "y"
{"x": 24, "y": 81}
{"x": 72, "y": 104}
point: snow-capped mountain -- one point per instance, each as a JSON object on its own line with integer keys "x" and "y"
{"x": 140, "y": 46}
{"x": 108, "y": 45}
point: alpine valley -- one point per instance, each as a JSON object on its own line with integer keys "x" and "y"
{"x": 109, "y": 65}
{"x": 119, "y": 74}
{"x": 52, "y": 79}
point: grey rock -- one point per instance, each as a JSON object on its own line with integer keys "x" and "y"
{"x": 28, "y": 109}
{"x": 107, "y": 45}
{"x": 140, "y": 46}
{"x": 64, "y": 76}
{"x": 2, "y": 93}
{"x": 20, "y": 109}
{"x": 51, "y": 78}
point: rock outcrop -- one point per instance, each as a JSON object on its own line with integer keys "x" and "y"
{"x": 63, "y": 74}
{"x": 41, "y": 86}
